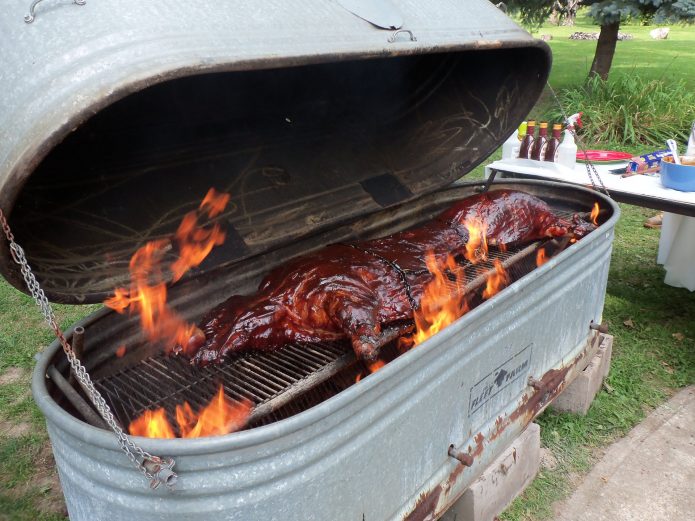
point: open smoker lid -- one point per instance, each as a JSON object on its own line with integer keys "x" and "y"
{"x": 117, "y": 117}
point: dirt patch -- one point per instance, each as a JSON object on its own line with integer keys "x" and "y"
{"x": 14, "y": 430}
{"x": 548, "y": 459}
{"x": 12, "y": 375}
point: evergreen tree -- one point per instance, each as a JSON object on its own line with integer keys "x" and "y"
{"x": 608, "y": 14}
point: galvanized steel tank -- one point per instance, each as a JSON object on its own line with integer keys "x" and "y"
{"x": 374, "y": 451}
{"x": 379, "y": 449}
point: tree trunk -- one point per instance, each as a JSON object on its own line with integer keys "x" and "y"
{"x": 605, "y": 50}
{"x": 571, "y": 7}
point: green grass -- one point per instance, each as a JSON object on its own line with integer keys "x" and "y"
{"x": 629, "y": 110}
{"x": 28, "y": 489}
{"x": 671, "y": 59}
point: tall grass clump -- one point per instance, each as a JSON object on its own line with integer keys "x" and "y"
{"x": 630, "y": 111}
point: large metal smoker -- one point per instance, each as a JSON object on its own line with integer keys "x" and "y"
{"x": 115, "y": 119}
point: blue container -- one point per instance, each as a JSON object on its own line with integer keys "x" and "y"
{"x": 679, "y": 177}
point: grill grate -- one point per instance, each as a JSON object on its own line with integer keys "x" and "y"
{"x": 280, "y": 383}
{"x": 268, "y": 379}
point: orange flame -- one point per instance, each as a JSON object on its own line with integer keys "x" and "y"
{"x": 496, "y": 281}
{"x": 541, "y": 257}
{"x": 220, "y": 416}
{"x": 195, "y": 243}
{"x": 152, "y": 424}
{"x": 214, "y": 202}
{"x": 476, "y": 247}
{"x": 147, "y": 294}
{"x": 373, "y": 367}
{"x": 594, "y": 214}
{"x": 120, "y": 352}
{"x": 442, "y": 300}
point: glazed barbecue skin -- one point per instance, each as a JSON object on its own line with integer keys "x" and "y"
{"x": 357, "y": 290}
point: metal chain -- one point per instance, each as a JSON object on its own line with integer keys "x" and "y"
{"x": 157, "y": 470}
{"x": 591, "y": 171}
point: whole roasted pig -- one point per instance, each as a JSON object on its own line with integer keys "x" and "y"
{"x": 364, "y": 291}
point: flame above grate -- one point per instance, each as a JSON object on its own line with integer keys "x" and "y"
{"x": 282, "y": 382}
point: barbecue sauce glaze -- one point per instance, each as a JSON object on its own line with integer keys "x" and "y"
{"x": 364, "y": 290}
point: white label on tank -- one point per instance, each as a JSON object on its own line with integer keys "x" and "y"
{"x": 510, "y": 371}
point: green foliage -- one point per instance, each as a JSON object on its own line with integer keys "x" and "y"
{"x": 631, "y": 111}
{"x": 532, "y": 13}
{"x": 662, "y": 11}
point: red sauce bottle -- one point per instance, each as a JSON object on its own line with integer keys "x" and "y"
{"x": 539, "y": 146}
{"x": 553, "y": 143}
{"x": 527, "y": 142}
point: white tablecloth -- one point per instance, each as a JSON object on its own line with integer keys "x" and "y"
{"x": 677, "y": 241}
{"x": 677, "y": 250}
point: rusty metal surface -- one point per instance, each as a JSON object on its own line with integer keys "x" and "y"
{"x": 431, "y": 505}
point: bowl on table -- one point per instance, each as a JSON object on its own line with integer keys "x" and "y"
{"x": 679, "y": 177}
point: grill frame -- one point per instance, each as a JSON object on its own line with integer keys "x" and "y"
{"x": 263, "y": 472}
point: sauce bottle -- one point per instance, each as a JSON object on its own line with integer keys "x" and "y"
{"x": 539, "y": 146}
{"x": 527, "y": 142}
{"x": 553, "y": 143}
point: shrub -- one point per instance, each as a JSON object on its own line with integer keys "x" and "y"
{"x": 630, "y": 111}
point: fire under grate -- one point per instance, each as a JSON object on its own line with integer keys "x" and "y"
{"x": 282, "y": 382}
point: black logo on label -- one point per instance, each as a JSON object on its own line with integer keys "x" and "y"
{"x": 500, "y": 378}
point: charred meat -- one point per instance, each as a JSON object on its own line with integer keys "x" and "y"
{"x": 364, "y": 291}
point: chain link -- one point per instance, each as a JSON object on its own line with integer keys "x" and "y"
{"x": 149, "y": 465}
{"x": 591, "y": 171}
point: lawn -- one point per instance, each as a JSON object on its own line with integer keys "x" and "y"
{"x": 654, "y": 350}
{"x": 670, "y": 59}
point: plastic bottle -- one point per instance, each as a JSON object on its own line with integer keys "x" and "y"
{"x": 567, "y": 151}
{"x": 527, "y": 142}
{"x": 510, "y": 148}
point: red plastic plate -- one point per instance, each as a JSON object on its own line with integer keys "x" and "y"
{"x": 605, "y": 156}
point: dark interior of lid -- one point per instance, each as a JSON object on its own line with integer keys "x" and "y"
{"x": 299, "y": 149}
